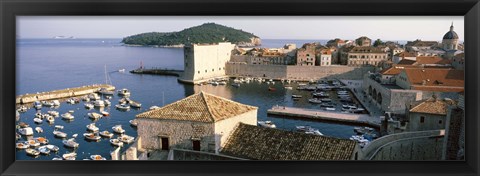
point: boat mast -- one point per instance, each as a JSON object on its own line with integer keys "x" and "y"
{"x": 106, "y": 74}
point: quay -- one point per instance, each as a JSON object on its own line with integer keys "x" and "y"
{"x": 60, "y": 94}
{"x": 314, "y": 114}
{"x": 155, "y": 71}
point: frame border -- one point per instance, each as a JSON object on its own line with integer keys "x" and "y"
{"x": 9, "y": 9}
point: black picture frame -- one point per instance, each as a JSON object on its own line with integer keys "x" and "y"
{"x": 9, "y": 9}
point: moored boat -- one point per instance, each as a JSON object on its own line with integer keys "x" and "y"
{"x": 126, "y": 138}
{"x": 89, "y": 105}
{"x": 56, "y": 103}
{"x": 133, "y": 122}
{"x": 314, "y": 100}
{"x": 59, "y": 127}
{"x": 39, "y": 129}
{"x": 69, "y": 156}
{"x": 122, "y": 107}
{"x": 22, "y": 145}
{"x": 38, "y": 120}
{"x": 33, "y": 143}
{"x": 44, "y": 150}
{"x": 124, "y": 92}
{"x": 135, "y": 104}
{"x": 32, "y": 152}
{"x": 50, "y": 119}
{"x": 296, "y": 96}
{"x": 26, "y": 131}
{"x": 53, "y": 148}
{"x": 118, "y": 129}
{"x": 267, "y": 124}
{"x": 94, "y": 115}
{"x": 57, "y": 158}
{"x": 104, "y": 91}
{"x": 99, "y": 103}
{"x": 92, "y": 127}
{"x": 60, "y": 134}
{"x": 70, "y": 143}
{"x": 37, "y": 105}
{"x": 116, "y": 142}
{"x": 91, "y": 136}
{"x": 97, "y": 157}
{"x": 23, "y": 125}
{"x": 53, "y": 113}
{"x": 106, "y": 134}
{"x": 67, "y": 116}
{"x": 41, "y": 140}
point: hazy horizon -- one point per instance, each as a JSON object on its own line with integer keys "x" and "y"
{"x": 399, "y": 28}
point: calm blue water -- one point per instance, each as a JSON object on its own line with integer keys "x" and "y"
{"x": 48, "y": 64}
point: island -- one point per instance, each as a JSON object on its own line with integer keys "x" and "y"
{"x": 205, "y": 33}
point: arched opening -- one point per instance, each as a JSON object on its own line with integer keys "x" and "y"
{"x": 374, "y": 94}
{"x": 379, "y": 98}
{"x": 370, "y": 90}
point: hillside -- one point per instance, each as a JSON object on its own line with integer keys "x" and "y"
{"x": 205, "y": 33}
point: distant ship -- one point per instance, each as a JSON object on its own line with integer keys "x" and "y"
{"x": 63, "y": 37}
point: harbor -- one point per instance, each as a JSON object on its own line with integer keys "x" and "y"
{"x": 61, "y": 94}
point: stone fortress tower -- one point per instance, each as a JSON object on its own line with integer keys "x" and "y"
{"x": 450, "y": 40}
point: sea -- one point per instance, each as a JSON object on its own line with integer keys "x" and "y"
{"x": 51, "y": 64}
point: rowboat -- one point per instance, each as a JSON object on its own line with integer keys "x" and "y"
{"x": 118, "y": 129}
{"x": 70, "y": 143}
{"x": 91, "y": 136}
{"x": 39, "y": 129}
{"x": 32, "y": 152}
{"x": 106, "y": 134}
{"x": 67, "y": 116}
{"x": 41, "y": 140}
{"x": 69, "y": 156}
{"x": 22, "y": 145}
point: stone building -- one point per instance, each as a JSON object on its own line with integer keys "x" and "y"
{"x": 365, "y": 55}
{"x": 455, "y": 131}
{"x": 363, "y": 41}
{"x": 427, "y": 61}
{"x": 432, "y": 79}
{"x": 458, "y": 61}
{"x": 429, "y": 114}
{"x": 258, "y": 143}
{"x": 306, "y": 55}
{"x": 200, "y": 122}
{"x": 403, "y": 55}
{"x": 418, "y": 44}
{"x": 205, "y": 61}
{"x": 450, "y": 40}
{"x": 323, "y": 57}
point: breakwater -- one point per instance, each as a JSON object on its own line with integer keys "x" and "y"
{"x": 155, "y": 71}
{"x": 59, "y": 94}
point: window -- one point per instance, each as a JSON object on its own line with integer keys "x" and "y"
{"x": 440, "y": 122}
{"x": 196, "y": 145}
{"x": 422, "y": 119}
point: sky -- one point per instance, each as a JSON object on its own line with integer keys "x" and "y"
{"x": 266, "y": 27}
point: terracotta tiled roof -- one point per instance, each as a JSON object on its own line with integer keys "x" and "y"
{"x": 433, "y": 79}
{"x": 406, "y": 62}
{"x": 432, "y": 60}
{"x": 391, "y": 71}
{"x": 258, "y": 143}
{"x": 201, "y": 107}
{"x": 432, "y": 106}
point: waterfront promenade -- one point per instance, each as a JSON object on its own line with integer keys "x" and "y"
{"x": 357, "y": 89}
{"x": 325, "y": 115}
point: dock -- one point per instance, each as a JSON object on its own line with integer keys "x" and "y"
{"x": 61, "y": 94}
{"x": 314, "y": 114}
{"x": 156, "y": 71}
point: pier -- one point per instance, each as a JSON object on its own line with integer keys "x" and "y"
{"x": 315, "y": 114}
{"x": 157, "y": 71}
{"x": 60, "y": 94}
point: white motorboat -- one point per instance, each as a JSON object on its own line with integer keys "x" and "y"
{"x": 92, "y": 127}
{"x": 59, "y": 127}
{"x": 22, "y": 145}
{"x": 289, "y": 87}
{"x": 89, "y": 105}
{"x": 296, "y": 96}
{"x": 71, "y": 111}
{"x": 97, "y": 157}
{"x": 106, "y": 134}
{"x": 133, "y": 122}
{"x": 68, "y": 116}
{"x": 26, "y": 131}
{"x": 38, "y": 115}
{"x": 70, "y": 143}
{"x": 54, "y": 113}
{"x": 37, "y": 105}
{"x": 69, "y": 156}
{"x": 53, "y": 148}
{"x": 121, "y": 70}
{"x": 267, "y": 124}
{"x": 47, "y": 103}
{"x": 116, "y": 142}
{"x": 60, "y": 134}
{"x": 91, "y": 136}
{"x": 320, "y": 94}
{"x": 124, "y": 92}
{"x": 33, "y": 143}
{"x": 94, "y": 115}
{"x": 41, "y": 140}
{"x": 22, "y": 108}
{"x": 104, "y": 91}
{"x": 39, "y": 129}
{"x": 94, "y": 96}
{"x": 107, "y": 102}
{"x": 32, "y": 152}
{"x": 122, "y": 107}
{"x": 44, "y": 150}
{"x": 123, "y": 101}
{"x": 222, "y": 83}
{"x": 50, "y": 119}
{"x": 314, "y": 100}
{"x": 44, "y": 116}
{"x": 118, "y": 129}
{"x": 99, "y": 103}
{"x": 326, "y": 99}
{"x": 74, "y": 135}
{"x": 135, "y": 104}
{"x": 105, "y": 113}
{"x": 126, "y": 139}
{"x": 56, "y": 103}
{"x": 38, "y": 120}
{"x": 330, "y": 109}
{"x": 57, "y": 158}
{"x": 153, "y": 107}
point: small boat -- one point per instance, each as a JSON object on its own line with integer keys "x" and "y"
{"x": 57, "y": 158}
{"x": 107, "y": 102}
{"x": 93, "y": 96}
{"x": 73, "y": 100}
{"x": 237, "y": 85}
{"x": 296, "y": 96}
{"x": 314, "y": 132}
{"x": 44, "y": 150}
{"x": 44, "y": 116}
{"x": 38, "y": 115}
{"x": 56, "y": 103}
{"x": 70, "y": 143}
{"x": 104, "y": 91}
{"x": 37, "y": 105}
{"x": 108, "y": 97}
{"x": 71, "y": 111}
{"x": 47, "y": 103}
{"x": 91, "y": 136}
{"x": 330, "y": 109}
{"x": 133, "y": 122}
{"x": 17, "y": 136}
{"x": 69, "y": 156}
{"x": 105, "y": 113}
{"x": 32, "y": 152}
{"x": 123, "y": 101}
{"x": 215, "y": 83}
{"x": 41, "y": 140}
{"x": 60, "y": 134}
{"x": 153, "y": 107}
{"x": 329, "y": 105}
{"x": 92, "y": 127}
{"x": 94, "y": 115}
{"x": 314, "y": 100}
{"x": 85, "y": 98}
{"x": 320, "y": 94}
{"x": 53, "y": 148}
{"x": 124, "y": 92}
{"x": 59, "y": 127}
{"x": 326, "y": 99}
{"x": 23, "y": 125}
{"x": 22, "y": 145}
{"x": 39, "y": 129}
{"x": 126, "y": 138}
{"x": 54, "y": 113}
{"x": 99, "y": 103}
{"x": 89, "y": 105}
{"x": 289, "y": 87}
{"x": 135, "y": 104}
{"x": 38, "y": 120}
{"x": 74, "y": 135}
{"x": 118, "y": 129}
{"x": 33, "y": 143}
{"x": 67, "y": 116}
{"x": 50, "y": 119}
{"x": 106, "y": 134}
{"x": 22, "y": 108}
{"x": 116, "y": 142}
{"x": 97, "y": 157}
{"x": 122, "y": 107}
{"x": 26, "y": 131}
{"x": 121, "y": 70}
{"x": 267, "y": 124}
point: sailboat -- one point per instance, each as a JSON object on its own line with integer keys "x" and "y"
{"x": 104, "y": 91}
